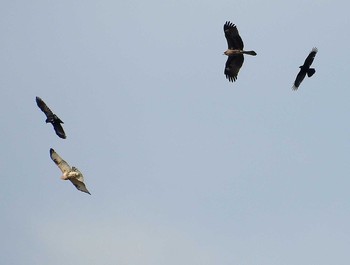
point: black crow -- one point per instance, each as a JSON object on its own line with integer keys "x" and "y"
{"x": 51, "y": 118}
{"x": 305, "y": 69}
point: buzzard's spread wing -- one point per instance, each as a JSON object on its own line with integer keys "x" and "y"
{"x": 76, "y": 177}
{"x": 79, "y": 185}
{"x": 234, "y": 41}
{"x": 63, "y": 165}
{"x": 310, "y": 58}
{"x": 300, "y": 77}
{"x": 44, "y": 108}
{"x": 233, "y": 64}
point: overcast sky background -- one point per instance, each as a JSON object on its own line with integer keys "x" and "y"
{"x": 183, "y": 166}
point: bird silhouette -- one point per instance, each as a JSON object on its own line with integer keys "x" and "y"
{"x": 51, "y": 118}
{"x": 234, "y": 52}
{"x": 305, "y": 69}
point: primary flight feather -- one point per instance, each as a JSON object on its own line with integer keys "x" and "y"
{"x": 51, "y": 118}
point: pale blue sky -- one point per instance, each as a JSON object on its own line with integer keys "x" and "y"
{"x": 183, "y": 166}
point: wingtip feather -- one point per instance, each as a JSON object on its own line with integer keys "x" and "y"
{"x": 38, "y": 101}
{"x": 228, "y": 24}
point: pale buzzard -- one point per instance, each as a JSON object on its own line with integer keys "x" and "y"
{"x": 71, "y": 173}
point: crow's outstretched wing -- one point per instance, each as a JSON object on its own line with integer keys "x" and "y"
{"x": 234, "y": 41}
{"x": 232, "y": 66}
{"x": 63, "y": 165}
{"x": 310, "y": 58}
{"x": 59, "y": 129}
{"x": 44, "y": 108}
{"x": 300, "y": 77}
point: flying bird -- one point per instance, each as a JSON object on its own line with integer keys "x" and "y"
{"x": 71, "y": 173}
{"x": 305, "y": 69}
{"x": 234, "y": 52}
{"x": 51, "y": 118}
